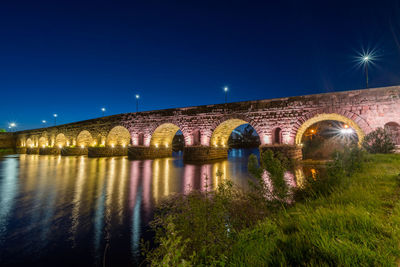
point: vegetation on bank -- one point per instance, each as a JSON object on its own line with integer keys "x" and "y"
{"x": 351, "y": 216}
{"x": 6, "y": 151}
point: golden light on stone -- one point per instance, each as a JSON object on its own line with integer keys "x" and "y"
{"x": 84, "y": 138}
{"x": 61, "y": 140}
{"x": 82, "y": 146}
{"x": 164, "y": 134}
{"x": 222, "y": 132}
{"x": 328, "y": 117}
{"x": 118, "y": 135}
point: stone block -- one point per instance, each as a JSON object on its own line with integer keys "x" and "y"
{"x": 74, "y": 151}
{"x": 290, "y": 151}
{"x": 32, "y": 150}
{"x": 20, "y": 150}
{"x": 49, "y": 151}
{"x": 144, "y": 152}
{"x": 96, "y": 152}
{"x": 204, "y": 153}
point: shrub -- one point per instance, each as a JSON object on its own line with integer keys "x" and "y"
{"x": 200, "y": 228}
{"x": 378, "y": 141}
{"x": 345, "y": 163}
{"x": 269, "y": 174}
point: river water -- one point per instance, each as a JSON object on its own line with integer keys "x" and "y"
{"x": 65, "y": 211}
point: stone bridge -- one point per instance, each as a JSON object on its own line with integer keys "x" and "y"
{"x": 280, "y": 124}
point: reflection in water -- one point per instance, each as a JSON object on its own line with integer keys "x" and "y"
{"x": 8, "y": 190}
{"x": 64, "y": 210}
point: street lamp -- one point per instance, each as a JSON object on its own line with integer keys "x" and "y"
{"x": 12, "y": 125}
{"x": 55, "y": 119}
{"x": 44, "y": 121}
{"x": 365, "y": 59}
{"x": 137, "y": 102}
{"x": 103, "y": 110}
{"x": 226, "y": 94}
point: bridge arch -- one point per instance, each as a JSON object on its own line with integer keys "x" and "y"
{"x": 43, "y": 141}
{"x": 163, "y": 135}
{"x": 84, "y": 139}
{"x": 118, "y": 136}
{"x": 29, "y": 142}
{"x": 222, "y": 132}
{"x": 61, "y": 140}
{"x": 326, "y": 117}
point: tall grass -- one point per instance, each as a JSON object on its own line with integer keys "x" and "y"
{"x": 356, "y": 224}
{"x": 351, "y": 217}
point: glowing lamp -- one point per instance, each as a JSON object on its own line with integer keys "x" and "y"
{"x": 112, "y": 145}
{"x": 82, "y": 146}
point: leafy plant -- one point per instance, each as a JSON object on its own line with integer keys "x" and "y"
{"x": 379, "y": 141}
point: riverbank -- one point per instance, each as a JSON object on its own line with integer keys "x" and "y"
{"x": 348, "y": 217}
{"x": 356, "y": 225}
{"x": 6, "y": 151}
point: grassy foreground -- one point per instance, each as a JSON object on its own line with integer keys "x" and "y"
{"x": 358, "y": 224}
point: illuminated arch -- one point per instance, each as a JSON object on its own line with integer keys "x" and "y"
{"x": 328, "y": 117}
{"x": 61, "y": 140}
{"x": 221, "y": 133}
{"x": 84, "y": 138}
{"x": 43, "y": 141}
{"x": 118, "y": 136}
{"x": 163, "y": 135}
{"x": 29, "y": 142}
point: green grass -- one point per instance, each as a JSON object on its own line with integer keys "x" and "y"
{"x": 356, "y": 225}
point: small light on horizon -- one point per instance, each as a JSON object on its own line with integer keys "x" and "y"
{"x": 137, "y": 96}
{"x": 226, "y": 89}
{"x": 55, "y": 115}
{"x": 44, "y": 121}
{"x": 103, "y": 109}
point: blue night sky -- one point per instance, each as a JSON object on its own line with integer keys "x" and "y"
{"x": 75, "y": 57}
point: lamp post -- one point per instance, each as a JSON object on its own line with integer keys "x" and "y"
{"x": 12, "y": 125}
{"x": 55, "y": 119}
{"x": 44, "y": 121}
{"x": 226, "y": 94}
{"x": 366, "y": 59}
{"x": 103, "y": 110}
{"x": 137, "y": 102}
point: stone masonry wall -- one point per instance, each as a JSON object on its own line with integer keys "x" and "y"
{"x": 368, "y": 108}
